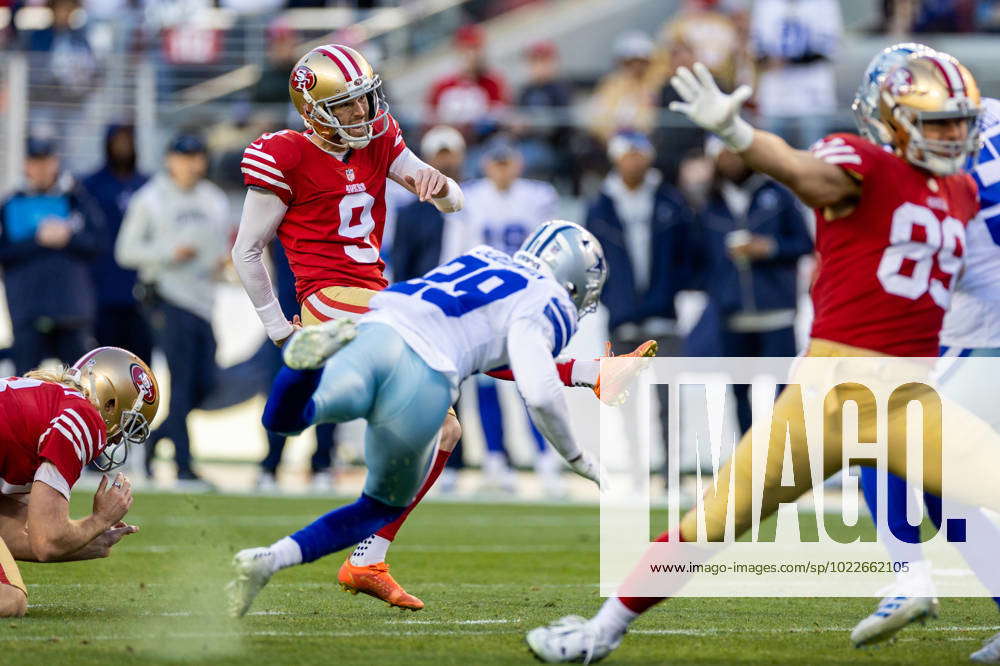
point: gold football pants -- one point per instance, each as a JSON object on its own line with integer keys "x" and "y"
{"x": 972, "y": 447}
{"x": 9, "y": 573}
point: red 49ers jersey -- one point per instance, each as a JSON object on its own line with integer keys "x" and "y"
{"x": 332, "y": 231}
{"x": 41, "y": 421}
{"x": 886, "y": 271}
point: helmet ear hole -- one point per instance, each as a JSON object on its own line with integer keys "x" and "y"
{"x": 109, "y": 405}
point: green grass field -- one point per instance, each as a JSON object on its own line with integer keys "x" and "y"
{"x": 486, "y": 572}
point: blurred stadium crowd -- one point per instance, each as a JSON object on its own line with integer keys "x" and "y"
{"x": 119, "y": 114}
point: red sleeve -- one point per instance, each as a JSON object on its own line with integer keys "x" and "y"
{"x": 75, "y": 436}
{"x": 852, "y": 153}
{"x": 269, "y": 162}
{"x": 565, "y": 369}
{"x": 396, "y": 142}
{"x": 496, "y": 88}
{"x": 974, "y": 195}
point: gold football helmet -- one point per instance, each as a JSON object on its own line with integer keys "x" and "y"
{"x": 124, "y": 390}
{"x": 330, "y": 75}
{"x": 930, "y": 87}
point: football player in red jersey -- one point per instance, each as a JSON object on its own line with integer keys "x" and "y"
{"x": 51, "y": 426}
{"x": 890, "y": 234}
{"x": 322, "y": 193}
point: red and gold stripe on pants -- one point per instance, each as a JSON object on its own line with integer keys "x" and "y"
{"x": 335, "y": 303}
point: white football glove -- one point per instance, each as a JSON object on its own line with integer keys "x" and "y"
{"x": 588, "y": 468}
{"x": 710, "y": 108}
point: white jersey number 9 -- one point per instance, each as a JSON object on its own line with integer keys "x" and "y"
{"x": 907, "y": 264}
{"x": 356, "y": 221}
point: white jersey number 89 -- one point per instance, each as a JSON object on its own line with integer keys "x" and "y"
{"x": 943, "y": 239}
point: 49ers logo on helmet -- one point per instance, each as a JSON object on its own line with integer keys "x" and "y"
{"x": 143, "y": 384}
{"x": 303, "y": 78}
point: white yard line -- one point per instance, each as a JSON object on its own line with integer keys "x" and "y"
{"x": 245, "y": 634}
{"x": 310, "y": 584}
{"x": 786, "y": 630}
{"x": 449, "y": 632}
{"x": 404, "y": 547}
{"x": 464, "y": 622}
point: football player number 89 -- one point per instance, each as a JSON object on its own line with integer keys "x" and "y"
{"x": 356, "y": 221}
{"x": 906, "y": 268}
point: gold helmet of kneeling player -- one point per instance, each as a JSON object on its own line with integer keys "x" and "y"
{"x": 124, "y": 390}
{"x": 330, "y": 75}
{"x": 932, "y": 89}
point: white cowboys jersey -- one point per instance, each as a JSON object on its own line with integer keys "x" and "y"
{"x": 500, "y": 219}
{"x": 973, "y": 319}
{"x": 457, "y": 317}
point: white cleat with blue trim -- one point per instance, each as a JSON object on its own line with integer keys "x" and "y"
{"x": 892, "y": 614}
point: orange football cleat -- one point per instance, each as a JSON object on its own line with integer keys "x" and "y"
{"x": 375, "y": 580}
{"x": 614, "y": 378}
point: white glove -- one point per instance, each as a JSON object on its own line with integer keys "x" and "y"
{"x": 587, "y": 467}
{"x": 712, "y": 109}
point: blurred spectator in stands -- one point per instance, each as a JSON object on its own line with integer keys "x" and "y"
{"x": 473, "y": 98}
{"x": 904, "y": 17}
{"x": 417, "y": 243}
{"x": 795, "y": 41}
{"x": 8, "y": 31}
{"x": 677, "y": 138}
{"x": 70, "y": 68}
{"x": 253, "y": 7}
{"x": 176, "y": 233}
{"x": 747, "y": 244}
{"x": 626, "y": 98}
{"x": 121, "y": 321}
{"x": 501, "y": 210}
{"x": 282, "y": 54}
{"x": 544, "y": 105}
{"x": 643, "y": 224}
{"x": 51, "y": 231}
{"x": 707, "y": 28}
{"x": 988, "y": 15}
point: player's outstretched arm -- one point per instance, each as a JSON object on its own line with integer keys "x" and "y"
{"x": 539, "y": 384}
{"x": 817, "y": 183}
{"x": 53, "y": 536}
{"x": 426, "y": 182}
{"x": 262, "y": 213}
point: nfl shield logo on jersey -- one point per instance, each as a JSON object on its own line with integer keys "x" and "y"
{"x": 350, "y": 174}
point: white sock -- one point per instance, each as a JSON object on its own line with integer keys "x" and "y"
{"x": 613, "y": 618}
{"x": 585, "y": 372}
{"x": 917, "y": 582}
{"x": 370, "y": 551}
{"x": 286, "y": 553}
